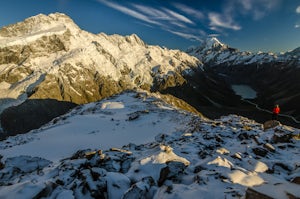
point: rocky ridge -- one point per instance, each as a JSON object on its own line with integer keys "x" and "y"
{"x": 233, "y": 156}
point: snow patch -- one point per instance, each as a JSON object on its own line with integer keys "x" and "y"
{"x": 112, "y": 105}
{"x": 248, "y": 180}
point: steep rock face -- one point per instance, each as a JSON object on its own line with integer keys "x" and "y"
{"x": 50, "y": 57}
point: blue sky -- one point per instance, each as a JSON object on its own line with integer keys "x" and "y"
{"x": 253, "y": 25}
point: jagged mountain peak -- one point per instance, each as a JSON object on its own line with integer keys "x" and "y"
{"x": 208, "y": 46}
{"x": 213, "y": 42}
{"x": 37, "y": 24}
{"x": 294, "y": 53}
{"x": 132, "y": 39}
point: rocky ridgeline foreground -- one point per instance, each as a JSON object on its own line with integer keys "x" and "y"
{"x": 232, "y": 157}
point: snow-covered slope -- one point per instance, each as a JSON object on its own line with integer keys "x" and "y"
{"x": 136, "y": 146}
{"x": 212, "y": 52}
{"x": 51, "y": 57}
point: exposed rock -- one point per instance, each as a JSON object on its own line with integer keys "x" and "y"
{"x": 260, "y": 151}
{"x": 141, "y": 189}
{"x": 270, "y": 124}
{"x": 133, "y": 116}
{"x": 16, "y": 167}
{"x": 173, "y": 170}
{"x": 47, "y": 191}
{"x": 222, "y": 151}
{"x": 284, "y": 190}
{"x": 269, "y": 147}
{"x": 285, "y": 137}
{"x": 237, "y": 156}
{"x": 279, "y": 166}
{"x": 296, "y": 180}
{"x": 27, "y": 164}
{"x": 252, "y": 194}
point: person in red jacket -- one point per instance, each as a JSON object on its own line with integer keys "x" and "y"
{"x": 276, "y": 111}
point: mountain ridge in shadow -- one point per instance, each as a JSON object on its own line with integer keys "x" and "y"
{"x": 32, "y": 114}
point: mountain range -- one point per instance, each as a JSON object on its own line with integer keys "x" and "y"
{"x": 108, "y": 116}
{"x": 49, "y": 65}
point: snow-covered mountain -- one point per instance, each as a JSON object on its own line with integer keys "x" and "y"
{"x": 212, "y": 52}
{"x": 50, "y": 57}
{"x": 134, "y": 145}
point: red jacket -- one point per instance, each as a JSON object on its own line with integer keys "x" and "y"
{"x": 276, "y": 110}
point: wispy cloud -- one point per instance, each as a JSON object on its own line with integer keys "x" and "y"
{"x": 178, "y": 16}
{"x": 191, "y": 23}
{"x": 186, "y": 35}
{"x": 163, "y": 14}
{"x": 257, "y": 9}
{"x": 151, "y": 12}
{"x": 189, "y": 11}
{"x": 218, "y": 20}
{"x": 298, "y": 10}
{"x": 165, "y": 18}
{"x": 233, "y": 9}
{"x": 297, "y": 25}
{"x": 129, "y": 11}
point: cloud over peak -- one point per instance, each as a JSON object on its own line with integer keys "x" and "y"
{"x": 219, "y": 21}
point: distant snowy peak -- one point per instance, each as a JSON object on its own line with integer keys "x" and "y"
{"x": 208, "y": 45}
{"x": 213, "y": 52}
{"x": 213, "y": 43}
{"x": 294, "y": 53}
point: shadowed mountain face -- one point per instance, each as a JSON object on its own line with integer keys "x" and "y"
{"x": 275, "y": 83}
{"x": 32, "y": 114}
{"x": 275, "y": 77}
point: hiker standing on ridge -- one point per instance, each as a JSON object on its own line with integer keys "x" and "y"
{"x": 276, "y": 111}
